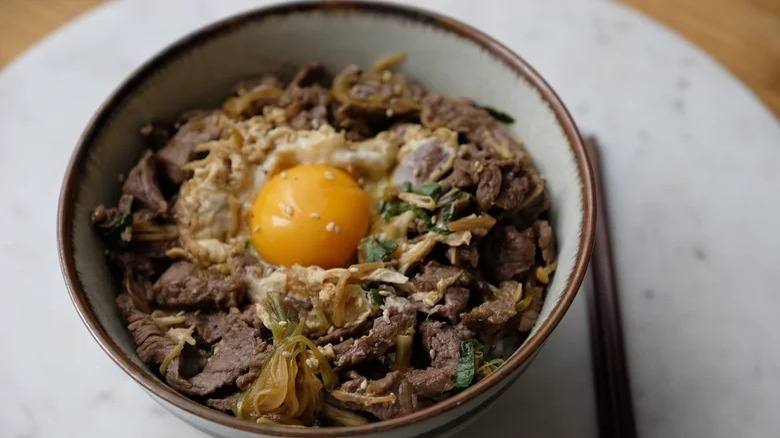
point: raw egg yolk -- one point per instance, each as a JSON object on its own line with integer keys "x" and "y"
{"x": 311, "y": 215}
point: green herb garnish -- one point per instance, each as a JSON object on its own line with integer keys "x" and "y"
{"x": 431, "y": 189}
{"x": 375, "y": 298}
{"x": 467, "y": 364}
{"x": 406, "y": 186}
{"x": 496, "y": 114}
{"x": 378, "y": 251}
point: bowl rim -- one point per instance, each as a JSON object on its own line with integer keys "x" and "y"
{"x": 161, "y": 390}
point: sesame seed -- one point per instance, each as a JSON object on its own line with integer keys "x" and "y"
{"x": 288, "y": 210}
{"x": 256, "y": 228}
{"x": 433, "y": 218}
{"x": 364, "y": 384}
{"x": 432, "y": 353}
{"x": 341, "y": 338}
{"x": 286, "y": 354}
{"x": 329, "y": 175}
{"x": 283, "y": 175}
{"x": 315, "y": 216}
{"x": 384, "y": 293}
{"x": 386, "y": 75}
{"x": 330, "y": 226}
{"x": 337, "y": 229}
{"x": 282, "y": 323}
{"x": 331, "y": 328}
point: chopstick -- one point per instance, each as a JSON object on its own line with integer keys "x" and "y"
{"x": 610, "y": 374}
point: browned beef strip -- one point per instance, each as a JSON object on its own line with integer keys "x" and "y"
{"x": 142, "y": 183}
{"x": 492, "y": 314}
{"x": 255, "y": 366}
{"x": 400, "y": 319}
{"x": 224, "y": 404}
{"x": 489, "y": 186}
{"x": 231, "y": 357}
{"x": 455, "y": 301}
{"x": 310, "y": 74}
{"x": 442, "y": 341}
{"x": 296, "y": 308}
{"x": 306, "y": 107}
{"x": 434, "y": 272}
{"x": 393, "y": 383}
{"x": 546, "y": 241}
{"x": 339, "y": 334}
{"x": 462, "y": 116}
{"x": 508, "y": 253}
{"x": 515, "y": 184}
{"x": 464, "y": 174}
{"x": 185, "y": 284}
{"x": 209, "y": 326}
{"x": 466, "y": 256}
{"x": 157, "y": 134}
{"x": 200, "y": 127}
{"x": 151, "y": 343}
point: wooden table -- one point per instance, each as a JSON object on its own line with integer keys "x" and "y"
{"x": 742, "y": 34}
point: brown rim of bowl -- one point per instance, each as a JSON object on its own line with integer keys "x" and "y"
{"x": 145, "y": 378}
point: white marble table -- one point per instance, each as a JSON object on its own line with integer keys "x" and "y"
{"x": 693, "y": 172}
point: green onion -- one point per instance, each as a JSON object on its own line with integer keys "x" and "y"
{"x": 496, "y": 114}
{"x": 431, "y": 189}
{"x": 375, "y": 298}
{"x": 377, "y": 251}
{"x": 406, "y": 186}
{"x": 464, "y": 372}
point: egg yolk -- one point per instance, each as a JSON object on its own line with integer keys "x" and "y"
{"x": 311, "y": 215}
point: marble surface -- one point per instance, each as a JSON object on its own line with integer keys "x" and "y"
{"x": 691, "y": 162}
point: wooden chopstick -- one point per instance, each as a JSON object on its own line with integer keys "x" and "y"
{"x": 610, "y": 374}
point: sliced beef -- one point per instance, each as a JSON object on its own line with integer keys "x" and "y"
{"x": 296, "y": 308}
{"x": 224, "y": 404}
{"x": 157, "y": 134}
{"x": 503, "y": 184}
{"x": 465, "y": 256}
{"x": 465, "y": 174}
{"x": 489, "y": 186}
{"x": 393, "y": 383}
{"x": 508, "y": 253}
{"x": 231, "y": 357}
{"x": 399, "y": 318}
{"x": 475, "y": 123}
{"x": 546, "y": 241}
{"x": 142, "y": 184}
{"x": 455, "y": 301}
{"x": 375, "y": 98}
{"x": 492, "y": 314}
{"x": 339, "y": 334}
{"x": 435, "y": 275}
{"x": 200, "y": 127}
{"x": 255, "y": 366}
{"x": 185, "y": 284}
{"x": 516, "y": 184}
{"x": 310, "y": 74}
{"x": 442, "y": 341}
{"x": 209, "y": 326}
{"x": 306, "y": 107}
{"x": 151, "y": 343}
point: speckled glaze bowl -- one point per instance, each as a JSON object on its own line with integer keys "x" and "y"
{"x": 443, "y": 54}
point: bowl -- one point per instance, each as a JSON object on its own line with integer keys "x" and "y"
{"x": 445, "y": 55}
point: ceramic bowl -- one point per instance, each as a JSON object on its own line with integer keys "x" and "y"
{"x": 445, "y": 55}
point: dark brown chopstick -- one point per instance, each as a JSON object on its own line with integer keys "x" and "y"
{"x": 610, "y": 374}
